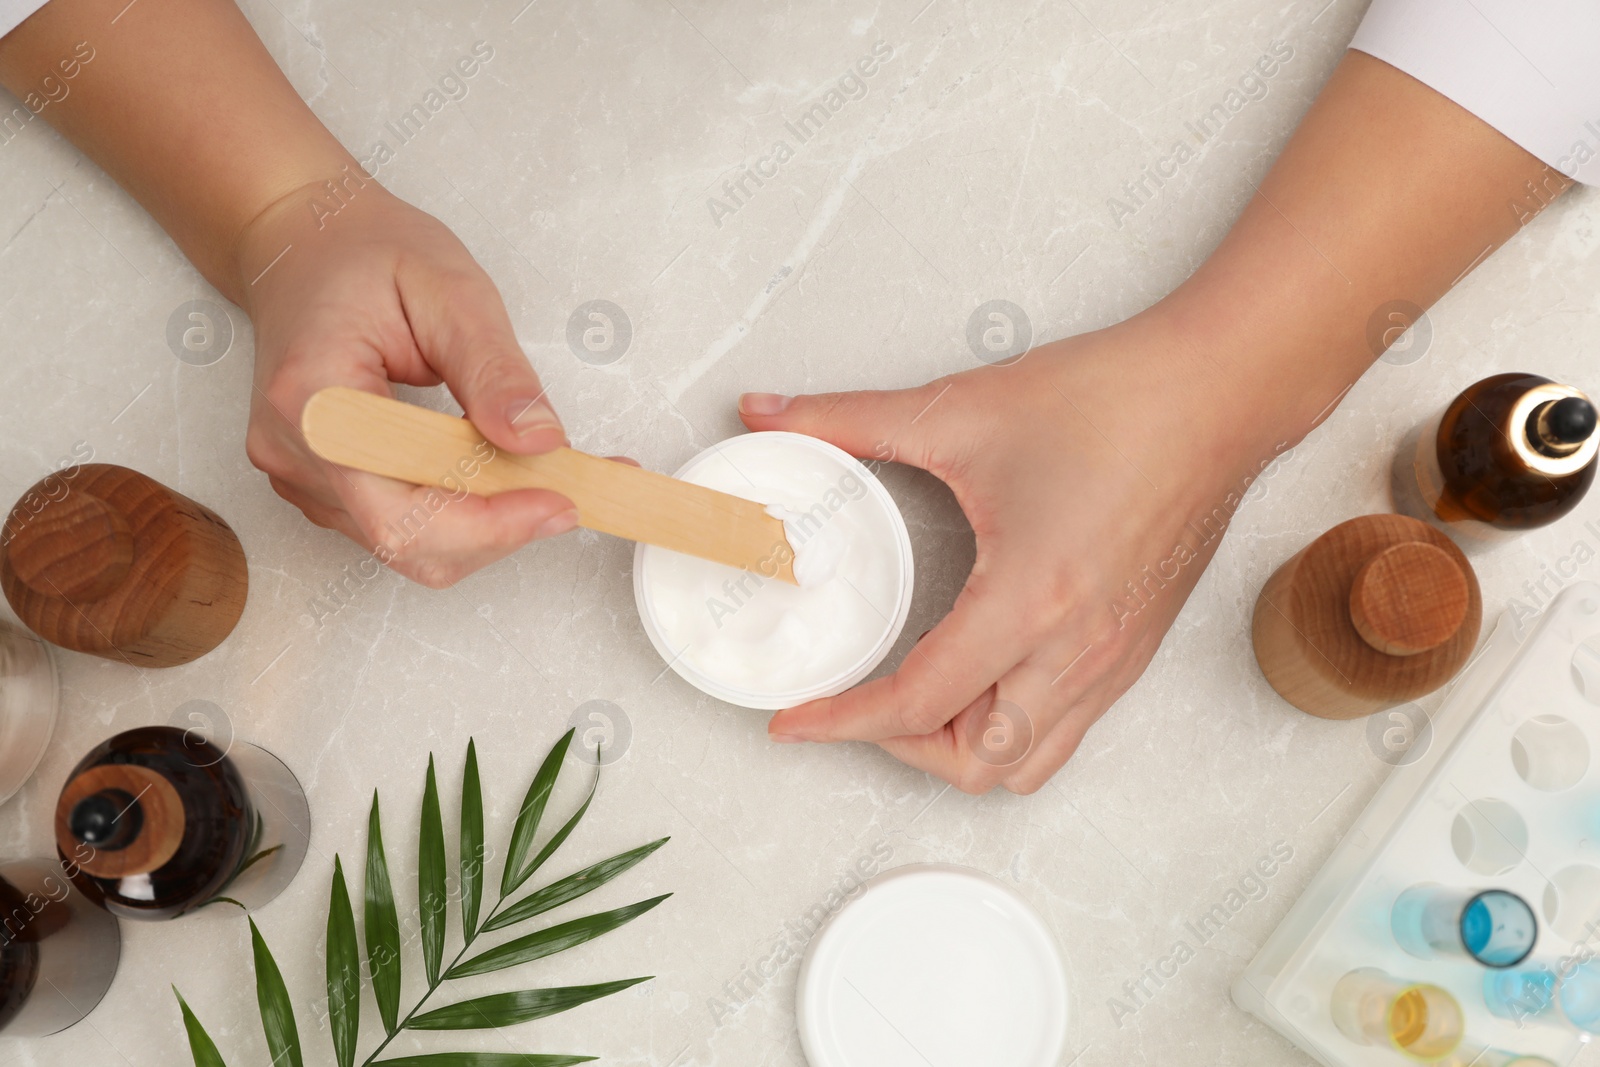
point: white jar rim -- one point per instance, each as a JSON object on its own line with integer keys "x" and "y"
{"x": 832, "y": 686}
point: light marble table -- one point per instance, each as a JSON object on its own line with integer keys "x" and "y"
{"x": 977, "y": 165}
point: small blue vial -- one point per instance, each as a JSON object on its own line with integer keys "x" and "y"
{"x": 1494, "y": 927}
{"x": 1522, "y": 993}
{"x": 1578, "y": 990}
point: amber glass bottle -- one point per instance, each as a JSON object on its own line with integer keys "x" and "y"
{"x": 58, "y": 953}
{"x": 1511, "y": 453}
{"x": 157, "y": 822}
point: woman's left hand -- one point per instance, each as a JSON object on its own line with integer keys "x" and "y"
{"x": 1090, "y": 471}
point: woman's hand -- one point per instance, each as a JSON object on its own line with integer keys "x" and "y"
{"x": 346, "y": 284}
{"x": 1098, "y": 471}
{"x": 383, "y": 293}
{"x": 1098, "y": 474}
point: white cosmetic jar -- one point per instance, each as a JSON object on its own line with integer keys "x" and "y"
{"x": 763, "y": 643}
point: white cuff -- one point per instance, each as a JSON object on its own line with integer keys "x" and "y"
{"x": 1529, "y": 68}
{"x": 12, "y": 12}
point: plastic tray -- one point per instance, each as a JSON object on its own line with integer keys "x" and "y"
{"x": 1516, "y": 740}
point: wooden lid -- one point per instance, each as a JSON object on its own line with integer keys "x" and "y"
{"x": 1377, "y": 611}
{"x": 75, "y": 548}
{"x": 1408, "y": 598}
{"x": 143, "y": 822}
{"x": 105, "y": 560}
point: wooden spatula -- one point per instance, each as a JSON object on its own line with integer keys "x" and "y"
{"x": 398, "y": 440}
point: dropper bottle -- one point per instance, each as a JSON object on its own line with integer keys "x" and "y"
{"x": 158, "y": 822}
{"x": 1511, "y": 453}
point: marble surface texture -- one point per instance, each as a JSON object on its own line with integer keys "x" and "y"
{"x": 977, "y": 166}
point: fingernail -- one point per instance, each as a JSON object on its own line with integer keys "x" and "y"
{"x": 785, "y": 739}
{"x": 763, "y": 403}
{"x": 557, "y": 524}
{"x": 525, "y": 416}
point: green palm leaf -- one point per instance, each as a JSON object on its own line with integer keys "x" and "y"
{"x": 383, "y": 926}
{"x": 344, "y": 971}
{"x": 471, "y": 845}
{"x": 532, "y": 810}
{"x": 572, "y": 886}
{"x": 343, "y": 959}
{"x": 277, "y": 1015}
{"x": 548, "y": 942}
{"x": 484, "y": 1059}
{"x": 561, "y": 834}
{"x": 201, "y": 1047}
{"x": 431, "y": 896}
{"x": 508, "y": 1009}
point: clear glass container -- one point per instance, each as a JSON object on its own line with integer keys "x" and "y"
{"x": 29, "y": 694}
{"x": 1522, "y": 993}
{"x": 1557, "y": 992}
{"x": 1416, "y": 1019}
{"x": 1494, "y": 927}
{"x": 1578, "y": 992}
{"x": 58, "y": 952}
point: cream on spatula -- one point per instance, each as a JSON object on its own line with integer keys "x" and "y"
{"x": 412, "y": 444}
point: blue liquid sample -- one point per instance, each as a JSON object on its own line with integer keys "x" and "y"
{"x": 1498, "y": 929}
{"x": 1525, "y": 993}
{"x": 1494, "y": 927}
{"x": 1580, "y": 996}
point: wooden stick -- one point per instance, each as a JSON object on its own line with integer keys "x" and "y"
{"x": 402, "y": 441}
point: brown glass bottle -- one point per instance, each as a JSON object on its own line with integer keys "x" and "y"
{"x": 157, "y": 822}
{"x": 1511, "y": 453}
{"x": 19, "y": 956}
{"x": 58, "y": 953}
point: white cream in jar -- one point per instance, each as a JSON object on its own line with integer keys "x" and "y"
{"x": 761, "y": 642}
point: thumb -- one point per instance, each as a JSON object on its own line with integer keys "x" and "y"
{"x": 463, "y": 331}
{"x": 870, "y": 424}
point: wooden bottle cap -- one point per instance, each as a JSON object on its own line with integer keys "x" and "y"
{"x": 142, "y": 801}
{"x": 1377, "y": 611}
{"x": 82, "y": 550}
{"x": 105, "y": 560}
{"x": 1408, "y": 598}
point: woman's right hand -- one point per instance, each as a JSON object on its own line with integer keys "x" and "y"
{"x": 380, "y": 294}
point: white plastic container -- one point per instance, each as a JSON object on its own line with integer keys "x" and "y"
{"x": 1506, "y": 796}
{"x": 733, "y": 635}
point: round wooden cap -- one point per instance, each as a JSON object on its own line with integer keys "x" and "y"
{"x": 1377, "y": 611}
{"x": 160, "y": 820}
{"x": 1408, "y": 599}
{"x": 75, "y": 548}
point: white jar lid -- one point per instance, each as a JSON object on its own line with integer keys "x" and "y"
{"x": 933, "y": 965}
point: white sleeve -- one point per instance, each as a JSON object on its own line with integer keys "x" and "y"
{"x": 1529, "y": 68}
{"x": 12, "y": 12}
